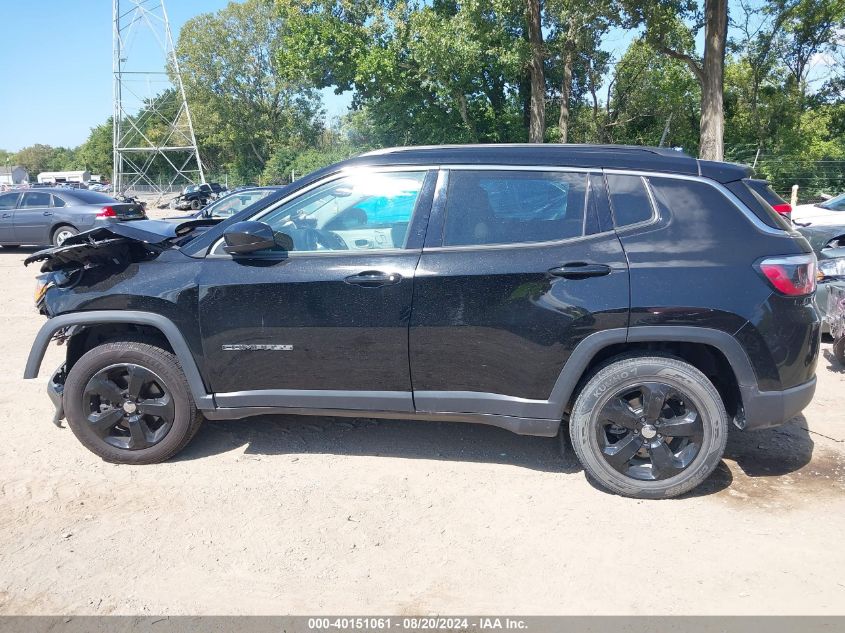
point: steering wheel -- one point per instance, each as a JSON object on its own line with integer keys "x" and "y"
{"x": 330, "y": 240}
{"x": 310, "y": 239}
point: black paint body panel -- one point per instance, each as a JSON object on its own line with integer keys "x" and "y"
{"x": 343, "y": 337}
{"x": 494, "y": 320}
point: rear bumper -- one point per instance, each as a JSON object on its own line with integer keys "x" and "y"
{"x": 765, "y": 409}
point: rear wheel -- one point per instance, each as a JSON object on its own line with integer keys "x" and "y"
{"x": 129, "y": 403}
{"x": 649, "y": 427}
{"x": 62, "y": 233}
{"x": 195, "y": 205}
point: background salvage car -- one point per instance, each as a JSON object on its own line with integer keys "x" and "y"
{"x": 51, "y": 215}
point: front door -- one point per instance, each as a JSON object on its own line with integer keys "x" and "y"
{"x": 523, "y": 272}
{"x": 8, "y": 201}
{"x": 324, "y": 325}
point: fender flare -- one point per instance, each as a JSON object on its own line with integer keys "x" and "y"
{"x": 203, "y": 399}
{"x": 723, "y": 341}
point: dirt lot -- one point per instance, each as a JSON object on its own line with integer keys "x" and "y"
{"x": 311, "y": 515}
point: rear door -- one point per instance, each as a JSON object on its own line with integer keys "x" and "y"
{"x": 33, "y": 217}
{"x": 520, "y": 266}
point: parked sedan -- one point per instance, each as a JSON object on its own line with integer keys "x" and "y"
{"x": 828, "y": 242}
{"x": 829, "y": 212}
{"x": 230, "y": 205}
{"x": 50, "y": 216}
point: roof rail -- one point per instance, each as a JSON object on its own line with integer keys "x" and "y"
{"x": 662, "y": 151}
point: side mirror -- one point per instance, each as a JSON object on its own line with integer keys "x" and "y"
{"x": 248, "y": 237}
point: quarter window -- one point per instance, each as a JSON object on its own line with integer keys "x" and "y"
{"x": 509, "y": 207}
{"x": 58, "y": 202}
{"x": 364, "y": 211}
{"x": 629, "y": 199}
{"x": 35, "y": 199}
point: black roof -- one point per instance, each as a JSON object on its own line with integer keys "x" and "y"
{"x": 631, "y": 157}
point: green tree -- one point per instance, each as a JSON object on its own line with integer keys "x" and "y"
{"x": 96, "y": 153}
{"x": 243, "y": 108}
{"x": 671, "y": 27}
{"x": 36, "y": 158}
{"x": 652, "y": 98}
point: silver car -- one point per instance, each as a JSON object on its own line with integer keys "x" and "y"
{"x": 51, "y": 215}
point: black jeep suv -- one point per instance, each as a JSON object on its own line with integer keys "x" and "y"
{"x": 645, "y": 298}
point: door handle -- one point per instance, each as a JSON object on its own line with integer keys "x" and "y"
{"x": 373, "y": 279}
{"x": 7, "y": 215}
{"x": 48, "y": 213}
{"x": 580, "y": 270}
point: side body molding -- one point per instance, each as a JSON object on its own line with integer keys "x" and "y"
{"x": 203, "y": 399}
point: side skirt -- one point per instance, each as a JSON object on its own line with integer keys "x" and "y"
{"x": 520, "y": 426}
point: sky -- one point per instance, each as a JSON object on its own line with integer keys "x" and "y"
{"x": 57, "y": 67}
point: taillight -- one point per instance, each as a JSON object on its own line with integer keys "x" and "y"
{"x": 792, "y": 275}
{"x": 107, "y": 212}
{"x": 783, "y": 209}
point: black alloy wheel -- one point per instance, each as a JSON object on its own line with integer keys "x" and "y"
{"x": 650, "y": 431}
{"x": 648, "y": 426}
{"x": 128, "y": 406}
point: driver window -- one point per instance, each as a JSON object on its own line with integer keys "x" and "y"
{"x": 363, "y": 211}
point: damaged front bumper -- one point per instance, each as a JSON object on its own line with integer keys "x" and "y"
{"x": 56, "y": 391}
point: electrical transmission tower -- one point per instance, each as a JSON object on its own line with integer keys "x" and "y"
{"x": 154, "y": 142}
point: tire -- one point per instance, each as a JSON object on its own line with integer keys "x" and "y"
{"x": 196, "y": 204}
{"x": 61, "y": 233}
{"x": 99, "y": 371}
{"x": 661, "y": 465}
{"x": 839, "y": 350}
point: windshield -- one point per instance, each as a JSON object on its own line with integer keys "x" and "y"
{"x": 235, "y": 202}
{"x": 834, "y": 204}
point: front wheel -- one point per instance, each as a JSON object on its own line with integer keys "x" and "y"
{"x": 129, "y": 403}
{"x": 649, "y": 427}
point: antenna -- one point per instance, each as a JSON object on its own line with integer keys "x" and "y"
{"x": 154, "y": 143}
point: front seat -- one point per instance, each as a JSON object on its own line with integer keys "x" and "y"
{"x": 470, "y": 219}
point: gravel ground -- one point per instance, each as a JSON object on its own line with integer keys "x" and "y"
{"x": 312, "y": 515}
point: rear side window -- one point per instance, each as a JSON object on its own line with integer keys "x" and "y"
{"x": 511, "y": 207}
{"x": 92, "y": 197}
{"x": 8, "y": 200}
{"x": 629, "y": 199}
{"x": 58, "y": 202}
{"x": 35, "y": 199}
